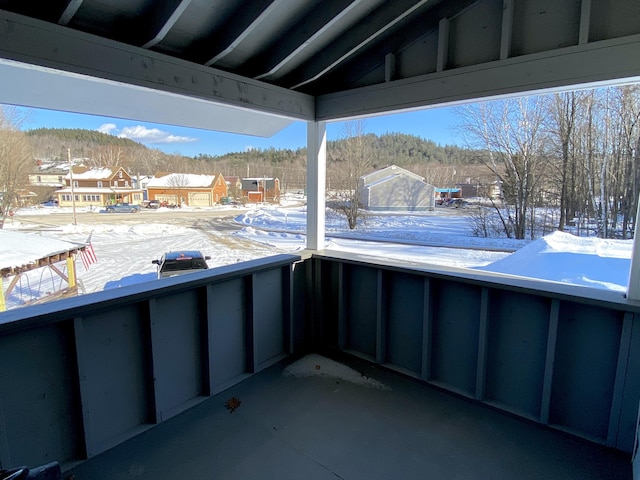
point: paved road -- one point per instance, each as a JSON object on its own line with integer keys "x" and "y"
{"x": 204, "y": 219}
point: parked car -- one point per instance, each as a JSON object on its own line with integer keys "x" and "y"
{"x": 180, "y": 262}
{"x": 456, "y": 202}
{"x": 122, "y": 208}
{"x": 151, "y": 204}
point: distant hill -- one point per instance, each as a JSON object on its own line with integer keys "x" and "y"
{"x": 79, "y": 135}
{"x": 424, "y": 157}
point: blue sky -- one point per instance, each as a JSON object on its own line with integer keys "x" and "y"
{"x": 438, "y": 125}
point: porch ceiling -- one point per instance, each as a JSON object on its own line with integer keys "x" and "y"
{"x": 253, "y": 67}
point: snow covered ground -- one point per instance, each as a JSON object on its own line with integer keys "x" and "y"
{"x": 440, "y": 237}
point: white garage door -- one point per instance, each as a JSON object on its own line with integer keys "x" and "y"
{"x": 199, "y": 199}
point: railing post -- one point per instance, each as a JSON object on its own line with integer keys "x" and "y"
{"x": 633, "y": 287}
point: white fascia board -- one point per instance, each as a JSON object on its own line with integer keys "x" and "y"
{"x": 50, "y": 66}
{"x": 608, "y": 62}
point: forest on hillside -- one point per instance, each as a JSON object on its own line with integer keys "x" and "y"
{"x": 438, "y": 164}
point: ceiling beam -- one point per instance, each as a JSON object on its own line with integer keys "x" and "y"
{"x": 239, "y": 28}
{"x": 34, "y": 42}
{"x": 165, "y": 17}
{"x": 301, "y": 37}
{"x": 389, "y": 15}
{"x": 606, "y": 62}
{"x": 69, "y": 11}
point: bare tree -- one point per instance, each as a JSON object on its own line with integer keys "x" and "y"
{"x": 178, "y": 180}
{"x": 625, "y": 110}
{"x": 16, "y": 159}
{"x": 352, "y": 161}
{"x": 510, "y": 131}
{"x": 564, "y": 111}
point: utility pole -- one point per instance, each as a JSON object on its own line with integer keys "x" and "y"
{"x": 73, "y": 195}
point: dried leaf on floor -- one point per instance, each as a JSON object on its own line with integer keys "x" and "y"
{"x": 232, "y": 404}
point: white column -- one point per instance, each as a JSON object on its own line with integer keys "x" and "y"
{"x": 633, "y": 287}
{"x": 316, "y": 184}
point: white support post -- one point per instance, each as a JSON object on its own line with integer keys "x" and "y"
{"x": 633, "y": 287}
{"x": 316, "y": 184}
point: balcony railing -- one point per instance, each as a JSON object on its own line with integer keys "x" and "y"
{"x": 82, "y": 375}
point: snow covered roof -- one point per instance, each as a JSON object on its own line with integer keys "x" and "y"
{"x": 92, "y": 174}
{"x": 382, "y": 180}
{"x": 393, "y": 169}
{"x": 177, "y": 180}
{"x": 24, "y": 251}
{"x": 98, "y": 190}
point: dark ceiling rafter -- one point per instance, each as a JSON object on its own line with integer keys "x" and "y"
{"x": 303, "y": 35}
{"x": 392, "y": 41}
{"x": 239, "y": 28}
{"x": 70, "y": 10}
{"x": 164, "y": 18}
{"x": 356, "y": 40}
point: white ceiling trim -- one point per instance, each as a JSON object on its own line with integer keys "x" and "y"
{"x": 39, "y": 87}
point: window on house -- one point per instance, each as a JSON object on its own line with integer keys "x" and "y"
{"x": 75, "y": 183}
{"x": 99, "y": 183}
{"x": 120, "y": 174}
{"x": 115, "y": 183}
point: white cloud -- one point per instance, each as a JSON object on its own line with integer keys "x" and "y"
{"x": 107, "y": 128}
{"x": 142, "y": 134}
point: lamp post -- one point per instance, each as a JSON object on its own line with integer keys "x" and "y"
{"x": 73, "y": 195}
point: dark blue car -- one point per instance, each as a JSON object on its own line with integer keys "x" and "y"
{"x": 122, "y": 208}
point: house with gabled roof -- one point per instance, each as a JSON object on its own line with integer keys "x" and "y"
{"x": 261, "y": 189}
{"x": 98, "y": 187}
{"x": 394, "y": 188}
{"x": 187, "y": 189}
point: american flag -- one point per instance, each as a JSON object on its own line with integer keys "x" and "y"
{"x": 88, "y": 255}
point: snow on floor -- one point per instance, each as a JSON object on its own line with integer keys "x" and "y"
{"x": 315, "y": 365}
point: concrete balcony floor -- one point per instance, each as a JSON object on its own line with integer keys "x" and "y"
{"x": 318, "y": 427}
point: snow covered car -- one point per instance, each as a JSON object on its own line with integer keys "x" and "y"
{"x": 122, "y": 208}
{"x": 180, "y": 262}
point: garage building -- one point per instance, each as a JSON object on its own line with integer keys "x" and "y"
{"x": 187, "y": 189}
{"x": 394, "y": 188}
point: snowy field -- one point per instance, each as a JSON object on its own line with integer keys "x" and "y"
{"x": 440, "y": 237}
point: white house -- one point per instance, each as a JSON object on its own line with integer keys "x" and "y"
{"x": 394, "y": 188}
